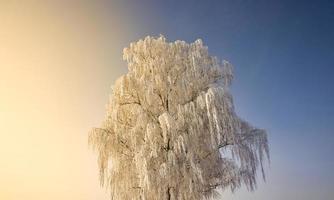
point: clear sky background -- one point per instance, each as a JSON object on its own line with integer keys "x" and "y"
{"x": 58, "y": 60}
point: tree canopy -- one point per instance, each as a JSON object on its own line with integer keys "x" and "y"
{"x": 171, "y": 124}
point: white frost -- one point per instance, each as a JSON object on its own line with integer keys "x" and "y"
{"x": 167, "y": 120}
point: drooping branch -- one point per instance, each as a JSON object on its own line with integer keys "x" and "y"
{"x": 168, "y": 119}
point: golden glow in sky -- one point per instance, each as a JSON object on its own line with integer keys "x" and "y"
{"x": 57, "y": 62}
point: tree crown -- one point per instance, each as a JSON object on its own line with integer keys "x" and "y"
{"x": 170, "y": 123}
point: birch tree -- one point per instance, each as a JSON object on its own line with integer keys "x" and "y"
{"x": 171, "y": 124}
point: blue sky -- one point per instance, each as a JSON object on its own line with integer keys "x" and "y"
{"x": 282, "y": 53}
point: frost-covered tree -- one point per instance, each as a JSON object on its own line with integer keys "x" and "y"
{"x": 171, "y": 125}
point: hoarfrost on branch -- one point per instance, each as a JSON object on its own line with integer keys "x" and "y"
{"x": 170, "y": 124}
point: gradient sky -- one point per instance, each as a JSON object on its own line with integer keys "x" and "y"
{"x": 58, "y": 60}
